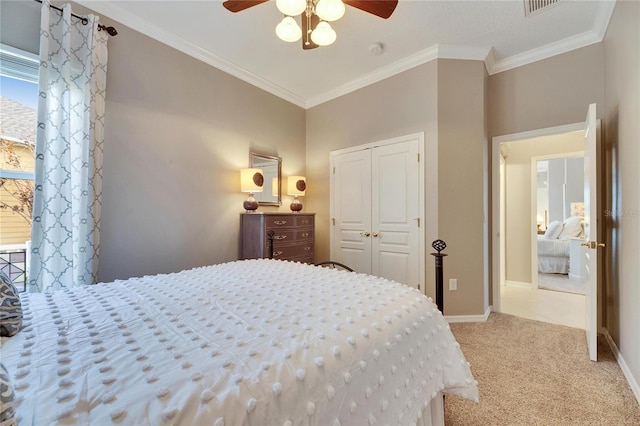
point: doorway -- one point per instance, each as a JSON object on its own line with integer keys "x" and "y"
{"x": 557, "y": 199}
{"x": 515, "y": 277}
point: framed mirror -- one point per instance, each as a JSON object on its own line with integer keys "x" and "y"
{"x": 271, "y": 168}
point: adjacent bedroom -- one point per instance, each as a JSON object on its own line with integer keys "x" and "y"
{"x": 560, "y": 223}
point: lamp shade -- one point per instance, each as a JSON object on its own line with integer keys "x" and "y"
{"x": 251, "y": 180}
{"x": 291, "y": 7}
{"x": 323, "y": 34}
{"x": 330, "y": 10}
{"x": 288, "y": 30}
{"x": 296, "y": 185}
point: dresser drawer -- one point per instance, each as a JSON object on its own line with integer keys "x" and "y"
{"x": 292, "y": 251}
{"x": 275, "y": 222}
{"x": 302, "y": 221}
{"x": 282, "y": 236}
{"x": 303, "y": 234}
{"x": 289, "y": 221}
{"x": 285, "y": 236}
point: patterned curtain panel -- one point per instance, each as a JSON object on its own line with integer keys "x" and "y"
{"x": 69, "y": 139}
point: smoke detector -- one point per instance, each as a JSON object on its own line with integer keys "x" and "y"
{"x": 376, "y": 49}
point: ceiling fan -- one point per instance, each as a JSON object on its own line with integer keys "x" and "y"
{"x": 315, "y": 16}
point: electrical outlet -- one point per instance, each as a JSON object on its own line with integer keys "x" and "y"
{"x": 453, "y": 284}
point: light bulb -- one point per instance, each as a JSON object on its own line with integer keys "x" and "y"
{"x": 291, "y": 7}
{"x": 288, "y": 30}
{"x": 323, "y": 34}
{"x": 330, "y": 10}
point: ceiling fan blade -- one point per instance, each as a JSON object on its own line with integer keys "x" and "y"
{"x": 381, "y": 8}
{"x": 240, "y": 5}
{"x": 306, "y": 31}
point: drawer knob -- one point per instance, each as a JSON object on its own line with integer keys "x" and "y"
{"x": 277, "y": 253}
{"x": 279, "y": 237}
{"x": 280, "y": 222}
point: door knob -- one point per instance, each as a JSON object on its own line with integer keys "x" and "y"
{"x": 592, "y": 244}
{"x": 375, "y": 234}
{"x": 365, "y": 233}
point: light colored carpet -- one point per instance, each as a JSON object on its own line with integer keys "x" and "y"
{"x": 534, "y": 373}
{"x": 559, "y": 282}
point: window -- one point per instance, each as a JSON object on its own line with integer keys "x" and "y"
{"x": 18, "y": 103}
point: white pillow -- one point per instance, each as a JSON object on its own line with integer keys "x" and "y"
{"x": 572, "y": 227}
{"x": 553, "y": 230}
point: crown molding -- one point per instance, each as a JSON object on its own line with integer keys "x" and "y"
{"x": 603, "y": 17}
{"x": 380, "y": 74}
{"x": 419, "y": 58}
{"x": 544, "y": 52}
{"x": 587, "y": 38}
{"x": 492, "y": 65}
{"x": 117, "y": 13}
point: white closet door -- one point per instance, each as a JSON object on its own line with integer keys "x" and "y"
{"x": 352, "y": 210}
{"x": 395, "y": 211}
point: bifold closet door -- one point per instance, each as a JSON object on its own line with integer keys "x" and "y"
{"x": 375, "y": 206}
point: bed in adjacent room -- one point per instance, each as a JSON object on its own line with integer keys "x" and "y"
{"x": 554, "y": 245}
{"x": 255, "y": 342}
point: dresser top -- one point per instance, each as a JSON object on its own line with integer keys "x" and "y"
{"x": 276, "y": 214}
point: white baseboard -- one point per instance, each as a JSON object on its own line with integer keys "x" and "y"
{"x": 468, "y": 318}
{"x": 635, "y": 387}
{"x": 519, "y": 284}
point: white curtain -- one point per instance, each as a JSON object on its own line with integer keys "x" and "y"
{"x": 69, "y": 139}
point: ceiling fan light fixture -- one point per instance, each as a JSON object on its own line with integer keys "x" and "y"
{"x": 323, "y": 34}
{"x": 291, "y": 7}
{"x": 288, "y": 30}
{"x": 330, "y": 10}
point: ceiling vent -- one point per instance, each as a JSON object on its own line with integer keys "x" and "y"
{"x": 532, "y": 7}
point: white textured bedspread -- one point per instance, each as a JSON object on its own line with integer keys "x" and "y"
{"x": 558, "y": 248}
{"x": 257, "y": 342}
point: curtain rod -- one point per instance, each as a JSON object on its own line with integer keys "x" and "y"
{"x": 110, "y": 30}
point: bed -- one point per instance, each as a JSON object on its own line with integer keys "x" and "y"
{"x": 554, "y": 245}
{"x": 553, "y": 256}
{"x": 254, "y": 342}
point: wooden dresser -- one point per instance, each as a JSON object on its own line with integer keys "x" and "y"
{"x": 293, "y": 238}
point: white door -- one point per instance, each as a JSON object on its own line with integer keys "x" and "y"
{"x": 351, "y": 196}
{"x": 395, "y": 213}
{"x": 375, "y": 211}
{"x": 590, "y": 245}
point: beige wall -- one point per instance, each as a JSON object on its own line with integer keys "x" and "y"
{"x": 622, "y": 191}
{"x": 177, "y": 133}
{"x": 552, "y": 92}
{"x": 518, "y": 196}
{"x": 445, "y": 99}
{"x": 461, "y": 182}
{"x": 175, "y": 142}
{"x": 400, "y": 105}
